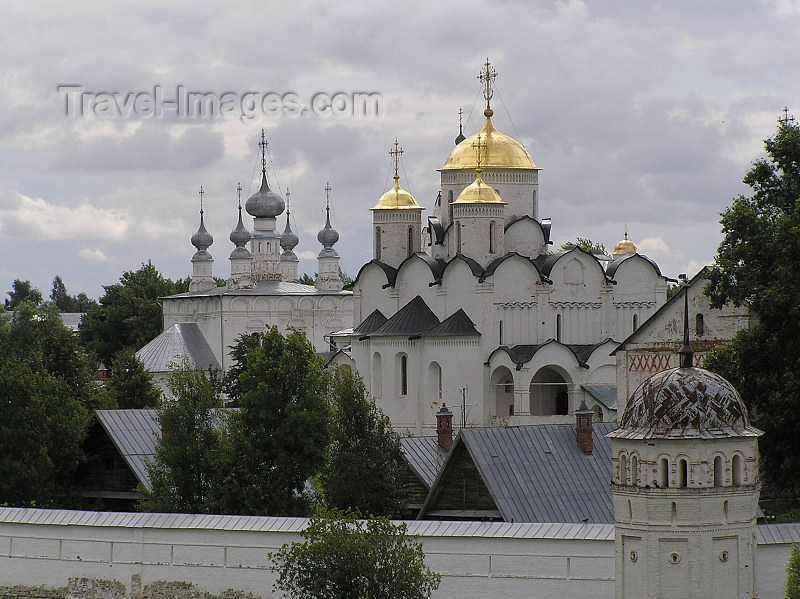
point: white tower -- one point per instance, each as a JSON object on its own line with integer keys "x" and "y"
{"x": 328, "y": 277}
{"x": 396, "y": 221}
{"x": 202, "y": 262}
{"x": 685, "y": 488}
{"x": 241, "y": 259}
{"x": 264, "y": 206}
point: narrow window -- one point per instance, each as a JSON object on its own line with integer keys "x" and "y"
{"x": 533, "y": 204}
{"x": 501, "y": 332}
{"x": 410, "y": 240}
{"x": 718, "y": 471}
{"x": 450, "y": 205}
{"x": 663, "y": 474}
{"x": 377, "y": 243}
{"x": 635, "y": 321}
{"x": 492, "y": 242}
{"x": 376, "y": 375}
{"x": 558, "y": 327}
{"x": 634, "y": 471}
{"x": 698, "y": 324}
{"x": 736, "y": 468}
{"x": 623, "y": 470}
{"x": 683, "y": 473}
{"x": 674, "y": 513}
{"x": 725, "y": 509}
{"x": 458, "y": 238}
{"x": 404, "y": 375}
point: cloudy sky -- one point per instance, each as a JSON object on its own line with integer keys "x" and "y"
{"x": 645, "y": 114}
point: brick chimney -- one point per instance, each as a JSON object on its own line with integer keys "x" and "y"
{"x": 444, "y": 427}
{"x": 583, "y": 428}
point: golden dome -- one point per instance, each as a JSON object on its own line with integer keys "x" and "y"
{"x": 501, "y": 151}
{"x": 478, "y": 192}
{"x": 397, "y": 199}
{"x": 625, "y": 246}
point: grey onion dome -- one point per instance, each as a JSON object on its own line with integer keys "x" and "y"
{"x": 685, "y": 403}
{"x": 289, "y": 239}
{"x": 202, "y": 240}
{"x": 265, "y": 203}
{"x": 328, "y": 235}
{"x": 240, "y": 235}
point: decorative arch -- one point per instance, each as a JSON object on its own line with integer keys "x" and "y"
{"x": 502, "y": 392}
{"x": 433, "y": 386}
{"x": 549, "y": 392}
{"x": 401, "y": 375}
{"x": 377, "y": 375}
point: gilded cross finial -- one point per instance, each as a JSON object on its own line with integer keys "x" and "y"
{"x": 201, "y": 199}
{"x": 263, "y": 145}
{"x": 487, "y": 77}
{"x": 480, "y": 146}
{"x": 786, "y": 119}
{"x": 395, "y": 154}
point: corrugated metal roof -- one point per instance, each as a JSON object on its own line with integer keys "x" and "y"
{"x": 769, "y": 534}
{"x": 605, "y": 394}
{"x": 135, "y": 434}
{"x": 178, "y": 341}
{"x": 537, "y": 473}
{"x": 72, "y": 320}
{"x": 424, "y": 456}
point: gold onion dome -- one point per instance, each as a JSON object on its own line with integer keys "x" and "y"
{"x": 625, "y": 246}
{"x": 478, "y": 192}
{"x": 502, "y": 151}
{"x": 397, "y": 198}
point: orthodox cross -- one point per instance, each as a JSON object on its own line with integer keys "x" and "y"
{"x": 460, "y": 115}
{"x": 327, "y": 196}
{"x": 786, "y": 119}
{"x": 239, "y": 193}
{"x": 395, "y": 154}
{"x": 487, "y": 77}
{"x": 263, "y": 145}
{"x": 201, "y": 199}
{"x": 479, "y": 145}
{"x": 288, "y": 198}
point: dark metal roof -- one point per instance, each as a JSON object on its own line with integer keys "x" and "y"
{"x": 521, "y": 354}
{"x": 389, "y": 271}
{"x": 457, "y": 323}
{"x": 179, "y": 341}
{"x": 262, "y": 288}
{"x": 492, "y": 266}
{"x": 425, "y": 456}
{"x": 135, "y": 434}
{"x": 612, "y": 267}
{"x": 371, "y": 323}
{"x": 538, "y": 473}
{"x": 437, "y": 265}
{"x": 412, "y": 319}
{"x": 603, "y": 393}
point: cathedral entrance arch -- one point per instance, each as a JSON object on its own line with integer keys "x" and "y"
{"x": 502, "y": 392}
{"x": 549, "y": 392}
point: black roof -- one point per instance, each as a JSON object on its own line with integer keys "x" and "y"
{"x": 412, "y": 319}
{"x": 371, "y": 323}
{"x": 456, "y": 324}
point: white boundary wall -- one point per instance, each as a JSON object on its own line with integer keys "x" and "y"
{"x": 100, "y": 555}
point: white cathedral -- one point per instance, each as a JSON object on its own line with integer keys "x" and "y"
{"x": 473, "y": 310}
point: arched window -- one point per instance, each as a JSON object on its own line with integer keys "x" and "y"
{"x": 377, "y": 375}
{"x": 634, "y": 471}
{"x": 623, "y": 469}
{"x": 533, "y": 203}
{"x": 699, "y": 326}
{"x": 434, "y": 390}
{"x": 718, "y": 474}
{"x": 377, "y": 243}
{"x": 492, "y": 240}
{"x": 501, "y": 332}
{"x": 663, "y": 473}
{"x": 635, "y": 321}
{"x": 458, "y": 237}
{"x": 450, "y": 205}
{"x": 403, "y": 375}
{"x": 410, "y": 240}
{"x": 683, "y": 473}
{"x": 558, "y": 327}
{"x": 736, "y": 470}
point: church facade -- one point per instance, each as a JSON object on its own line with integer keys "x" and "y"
{"x": 485, "y": 317}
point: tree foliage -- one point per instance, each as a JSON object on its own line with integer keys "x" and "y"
{"x": 46, "y": 394}
{"x": 183, "y": 469}
{"x": 130, "y": 384}
{"x": 362, "y": 469}
{"x": 756, "y": 265}
{"x": 277, "y": 439}
{"x": 792, "y": 586}
{"x": 129, "y": 314}
{"x": 347, "y": 558}
{"x": 230, "y": 382}
{"x": 22, "y": 291}
{"x": 67, "y": 302}
{"x": 587, "y": 245}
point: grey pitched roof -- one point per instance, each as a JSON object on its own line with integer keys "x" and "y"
{"x": 412, "y": 319}
{"x": 178, "y": 341}
{"x": 606, "y": 394}
{"x": 521, "y": 354}
{"x": 72, "y": 320}
{"x": 371, "y": 323}
{"x": 424, "y": 456}
{"x": 457, "y": 323}
{"x": 538, "y": 473}
{"x": 135, "y": 434}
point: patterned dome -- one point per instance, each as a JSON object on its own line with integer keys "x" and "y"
{"x": 685, "y": 402}
{"x": 265, "y": 203}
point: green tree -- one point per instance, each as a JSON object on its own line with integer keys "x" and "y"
{"x": 756, "y": 266}
{"x": 362, "y": 470}
{"x": 587, "y": 245}
{"x": 230, "y": 382}
{"x": 61, "y": 298}
{"x": 130, "y": 384}
{"x": 22, "y": 291}
{"x": 129, "y": 314}
{"x": 307, "y": 279}
{"x": 182, "y": 470}
{"x": 793, "y": 573}
{"x": 343, "y": 557}
{"x": 277, "y": 439}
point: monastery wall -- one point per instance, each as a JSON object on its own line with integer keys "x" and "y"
{"x": 98, "y": 555}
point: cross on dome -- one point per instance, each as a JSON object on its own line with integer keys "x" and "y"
{"x": 479, "y": 146}
{"x": 487, "y": 77}
{"x": 396, "y": 153}
{"x": 263, "y": 145}
{"x": 786, "y": 119}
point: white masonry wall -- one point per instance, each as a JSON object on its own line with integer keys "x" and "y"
{"x": 99, "y": 555}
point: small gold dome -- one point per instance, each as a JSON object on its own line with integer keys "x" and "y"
{"x": 502, "y": 151}
{"x": 397, "y": 199}
{"x": 478, "y": 192}
{"x": 625, "y": 246}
